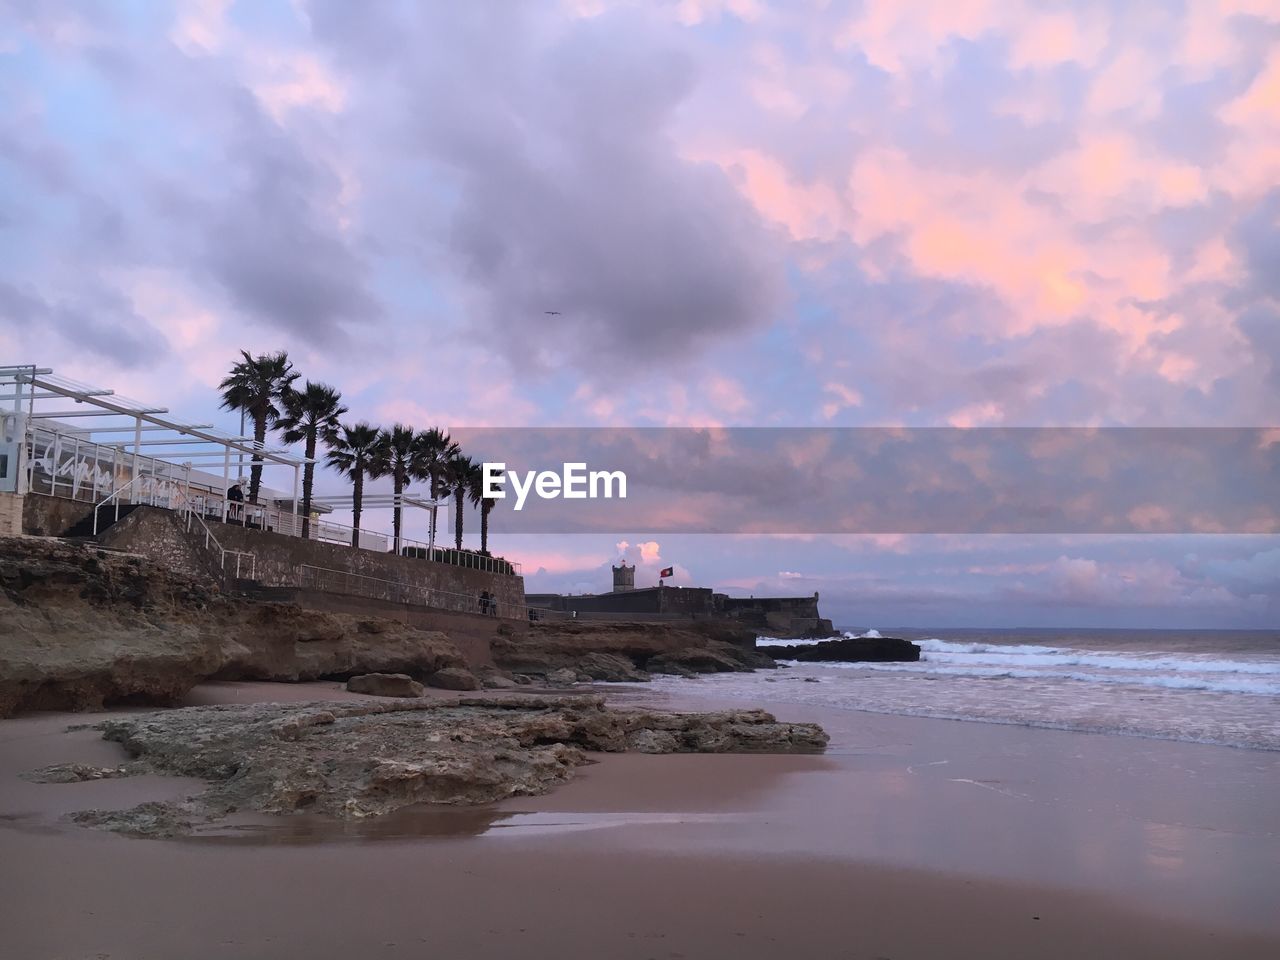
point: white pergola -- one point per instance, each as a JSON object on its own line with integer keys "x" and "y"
{"x": 37, "y": 400}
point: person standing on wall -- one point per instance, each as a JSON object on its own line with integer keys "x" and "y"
{"x": 235, "y": 497}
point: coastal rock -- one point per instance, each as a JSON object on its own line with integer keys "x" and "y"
{"x": 609, "y": 668}
{"x": 454, "y": 678}
{"x": 711, "y": 658}
{"x": 82, "y": 627}
{"x": 849, "y": 650}
{"x": 491, "y": 678}
{"x": 359, "y": 759}
{"x": 386, "y": 685}
{"x": 602, "y": 650}
{"x": 562, "y": 677}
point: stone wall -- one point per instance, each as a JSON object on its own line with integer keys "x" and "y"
{"x": 10, "y": 514}
{"x": 159, "y": 533}
{"x": 46, "y": 516}
{"x": 778, "y": 616}
{"x": 278, "y": 558}
{"x": 775, "y": 616}
{"x": 666, "y": 602}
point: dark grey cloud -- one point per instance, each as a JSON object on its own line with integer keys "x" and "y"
{"x": 270, "y": 246}
{"x": 567, "y": 192}
{"x": 94, "y": 318}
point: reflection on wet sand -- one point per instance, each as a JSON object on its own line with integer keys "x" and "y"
{"x": 429, "y": 822}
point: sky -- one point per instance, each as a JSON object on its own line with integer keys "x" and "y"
{"x": 812, "y": 213}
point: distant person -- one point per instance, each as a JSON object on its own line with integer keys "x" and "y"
{"x": 236, "y": 497}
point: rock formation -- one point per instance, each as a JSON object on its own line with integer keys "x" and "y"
{"x": 386, "y": 685}
{"x": 454, "y": 678}
{"x": 352, "y": 760}
{"x": 849, "y": 650}
{"x": 601, "y": 650}
{"x": 81, "y": 627}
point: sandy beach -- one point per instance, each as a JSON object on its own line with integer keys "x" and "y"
{"x": 909, "y": 838}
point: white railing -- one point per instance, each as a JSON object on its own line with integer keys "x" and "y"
{"x": 357, "y": 584}
{"x": 242, "y": 561}
{"x": 114, "y": 495}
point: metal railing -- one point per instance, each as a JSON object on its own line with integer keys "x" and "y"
{"x": 356, "y": 584}
{"x": 241, "y": 559}
{"x": 114, "y": 495}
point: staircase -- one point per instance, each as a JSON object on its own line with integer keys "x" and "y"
{"x": 107, "y": 516}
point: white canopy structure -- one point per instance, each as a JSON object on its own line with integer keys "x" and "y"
{"x": 71, "y": 439}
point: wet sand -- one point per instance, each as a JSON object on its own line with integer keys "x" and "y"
{"x": 910, "y": 838}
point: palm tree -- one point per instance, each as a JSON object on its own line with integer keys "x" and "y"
{"x": 457, "y": 478}
{"x": 353, "y": 452}
{"x": 399, "y": 458}
{"x": 434, "y": 450}
{"x": 475, "y": 492}
{"x": 308, "y": 415}
{"x": 254, "y": 386}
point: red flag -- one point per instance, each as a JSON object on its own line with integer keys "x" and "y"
{"x": 667, "y": 572}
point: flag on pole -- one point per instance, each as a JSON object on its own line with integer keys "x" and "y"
{"x": 667, "y": 572}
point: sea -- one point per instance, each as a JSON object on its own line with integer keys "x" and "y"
{"x": 1217, "y": 687}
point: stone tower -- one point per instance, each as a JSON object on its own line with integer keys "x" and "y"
{"x": 624, "y": 578}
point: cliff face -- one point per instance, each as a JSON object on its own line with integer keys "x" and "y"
{"x": 81, "y": 627}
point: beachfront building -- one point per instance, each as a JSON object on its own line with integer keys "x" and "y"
{"x": 82, "y": 461}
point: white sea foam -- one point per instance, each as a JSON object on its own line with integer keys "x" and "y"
{"x": 1109, "y": 684}
{"x": 1184, "y": 681}
{"x": 940, "y": 651}
{"x": 807, "y": 642}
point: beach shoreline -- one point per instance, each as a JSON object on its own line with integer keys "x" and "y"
{"x": 910, "y": 837}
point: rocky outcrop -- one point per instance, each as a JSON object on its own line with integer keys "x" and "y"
{"x": 386, "y": 685}
{"x": 598, "y": 650}
{"x": 564, "y": 677}
{"x": 849, "y": 650}
{"x": 608, "y": 668}
{"x": 354, "y": 760}
{"x": 81, "y": 627}
{"x": 454, "y": 678}
{"x": 708, "y": 659}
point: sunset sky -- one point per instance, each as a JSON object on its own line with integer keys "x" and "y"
{"x": 946, "y": 213}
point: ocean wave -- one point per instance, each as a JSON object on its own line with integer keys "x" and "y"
{"x": 808, "y": 641}
{"x": 989, "y": 654}
{"x": 934, "y": 645}
{"x": 1175, "y": 681}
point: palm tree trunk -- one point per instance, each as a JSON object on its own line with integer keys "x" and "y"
{"x": 308, "y": 478}
{"x": 357, "y": 500}
{"x": 459, "y": 501}
{"x": 435, "y": 493}
{"x": 485, "y": 507}
{"x": 259, "y": 439}
{"x": 395, "y": 514}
